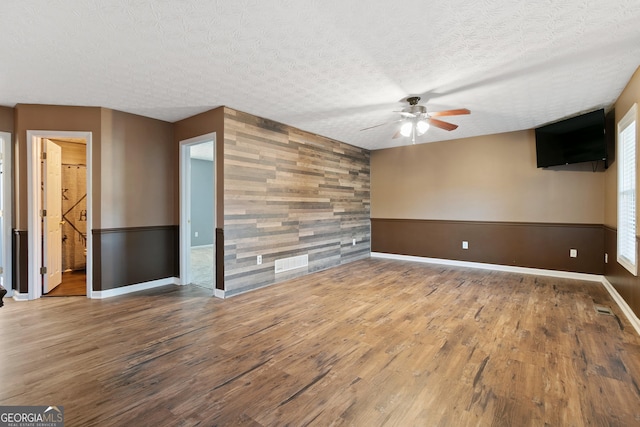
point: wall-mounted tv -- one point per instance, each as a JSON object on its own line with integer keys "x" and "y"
{"x": 574, "y": 140}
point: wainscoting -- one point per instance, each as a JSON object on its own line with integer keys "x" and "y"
{"x": 627, "y": 285}
{"x": 20, "y": 261}
{"x": 127, "y": 256}
{"x": 534, "y": 245}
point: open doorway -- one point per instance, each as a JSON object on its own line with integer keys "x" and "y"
{"x": 73, "y": 198}
{"x": 197, "y": 211}
{"x": 59, "y": 206}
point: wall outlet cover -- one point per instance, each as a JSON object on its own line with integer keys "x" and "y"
{"x": 465, "y": 244}
{"x": 573, "y": 253}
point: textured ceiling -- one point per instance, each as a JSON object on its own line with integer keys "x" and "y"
{"x": 331, "y": 67}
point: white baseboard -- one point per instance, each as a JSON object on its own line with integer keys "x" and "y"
{"x": 631, "y": 316}
{"x": 134, "y": 288}
{"x": 17, "y": 296}
{"x": 210, "y": 245}
{"x": 218, "y": 293}
{"x": 496, "y": 267}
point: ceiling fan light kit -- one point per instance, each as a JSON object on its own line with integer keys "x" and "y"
{"x": 417, "y": 121}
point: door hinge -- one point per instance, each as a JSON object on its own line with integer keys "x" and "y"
{"x": 44, "y": 156}
{"x": 44, "y": 212}
{"x": 43, "y": 270}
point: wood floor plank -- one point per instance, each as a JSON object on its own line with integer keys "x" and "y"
{"x": 371, "y": 343}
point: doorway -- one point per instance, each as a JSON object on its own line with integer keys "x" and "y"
{"x": 5, "y": 212}
{"x": 59, "y": 211}
{"x": 197, "y": 211}
{"x": 73, "y": 197}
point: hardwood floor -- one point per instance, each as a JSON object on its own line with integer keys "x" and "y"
{"x": 74, "y": 283}
{"x": 371, "y": 343}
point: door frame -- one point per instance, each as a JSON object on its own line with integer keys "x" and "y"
{"x": 34, "y": 206}
{"x": 185, "y": 205}
{"x": 6, "y": 206}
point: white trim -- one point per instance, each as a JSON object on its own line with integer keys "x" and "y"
{"x": 109, "y": 293}
{"x": 625, "y": 162}
{"x": 497, "y": 267}
{"x": 210, "y": 245}
{"x": 17, "y": 296}
{"x": 34, "y": 203}
{"x": 185, "y": 205}
{"x": 7, "y": 237}
{"x": 218, "y": 293}
{"x": 631, "y": 316}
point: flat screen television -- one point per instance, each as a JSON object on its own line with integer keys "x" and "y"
{"x": 574, "y": 140}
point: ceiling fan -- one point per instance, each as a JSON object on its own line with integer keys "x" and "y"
{"x": 416, "y": 120}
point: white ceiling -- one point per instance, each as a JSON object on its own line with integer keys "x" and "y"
{"x": 331, "y": 67}
{"x": 202, "y": 151}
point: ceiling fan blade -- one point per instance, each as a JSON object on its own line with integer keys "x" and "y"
{"x": 457, "y": 112}
{"x": 396, "y": 135}
{"x": 442, "y": 125}
{"x": 381, "y": 124}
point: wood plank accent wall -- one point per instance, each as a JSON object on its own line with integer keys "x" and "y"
{"x": 128, "y": 256}
{"x": 627, "y": 285}
{"x": 289, "y": 193}
{"x": 534, "y": 245}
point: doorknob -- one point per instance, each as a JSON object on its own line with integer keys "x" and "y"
{"x": 62, "y": 222}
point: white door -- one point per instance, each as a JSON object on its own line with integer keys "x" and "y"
{"x": 52, "y": 221}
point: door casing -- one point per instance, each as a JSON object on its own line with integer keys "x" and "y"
{"x": 5, "y": 206}
{"x": 34, "y": 206}
{"x": 185, "y": 205}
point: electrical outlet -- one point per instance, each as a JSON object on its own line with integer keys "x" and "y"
{"x": 259, "y": 259}
{"x": 573, "y": 253}
{"x": 465, "y": 244}
{"x": 195, "y": 234}
{"x": 354, "y": 242}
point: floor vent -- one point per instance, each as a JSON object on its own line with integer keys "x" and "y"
{"x": 600, "y": 309}
{"x": 286, "y": 264}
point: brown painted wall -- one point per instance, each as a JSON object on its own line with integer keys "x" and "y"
{"x": 629, "y": 96}
{"x": 627, "y": 285}
{"x": 134, "y": 183}
{"x": 534, "y": 245}
{"x": 202, "y": 124}
{"x": 134, "y": 255}
{"x": 487, "y": 178}
{"x": 138, "y": 172}
{"x": 6, "y": 119}
{"x": 56, "y": 118}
